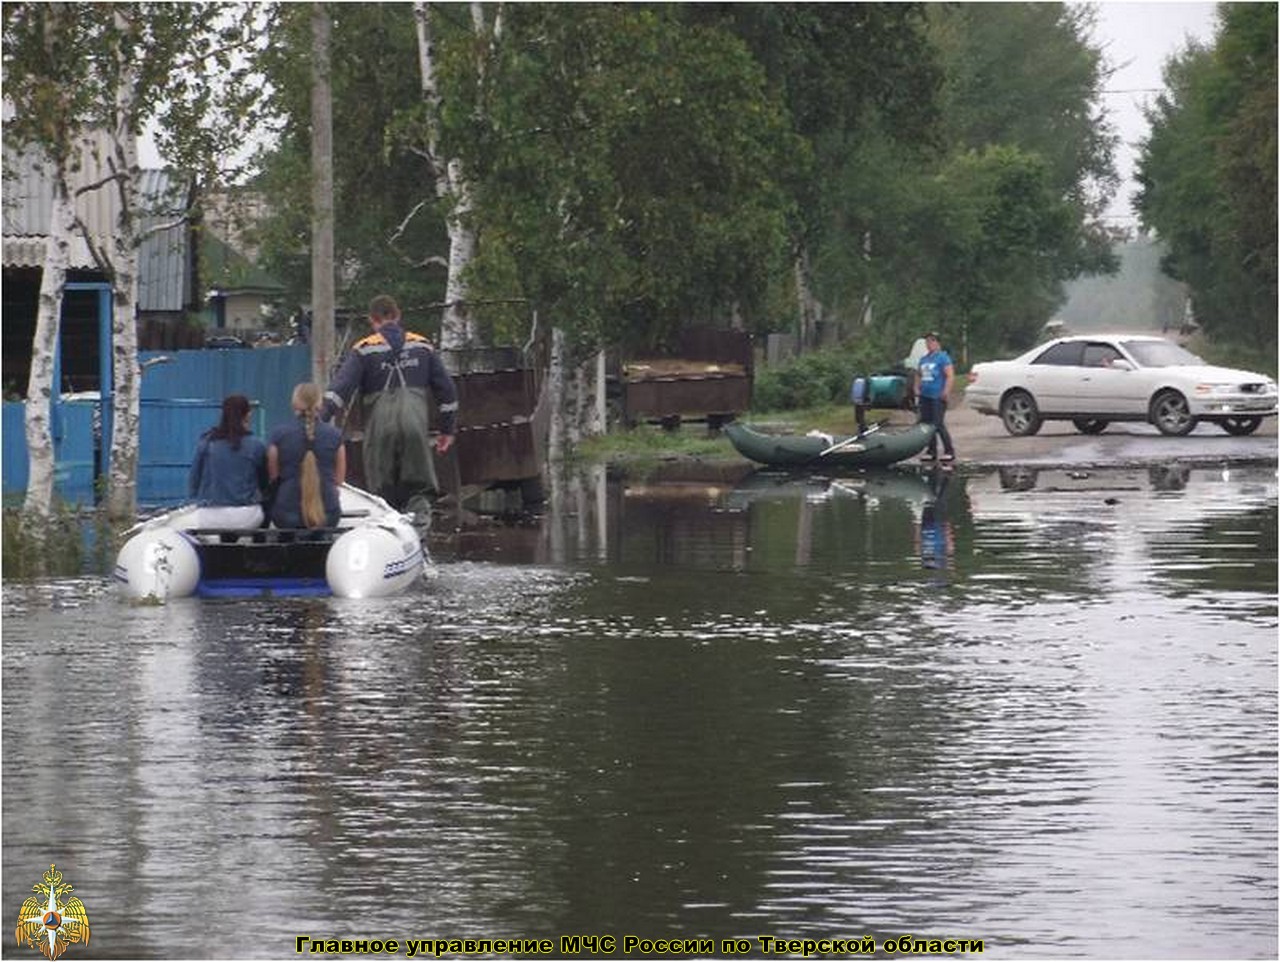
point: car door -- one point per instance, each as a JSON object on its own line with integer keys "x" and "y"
{"x": 1054, "y": 376}
{"x": 1105, "y": 388}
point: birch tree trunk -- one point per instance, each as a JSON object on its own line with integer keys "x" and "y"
{"x": 458, "y": 329}
{"x": 556, "y": 393}
{"x": 865, "y": 319}
{"x": 810, "y": 309}
{"x": 40, "y": 387}
{"x": 587, "y": 419}
{"x": 122, "y": 476}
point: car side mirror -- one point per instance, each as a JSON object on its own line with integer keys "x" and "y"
{"x": 1120, "y": 364}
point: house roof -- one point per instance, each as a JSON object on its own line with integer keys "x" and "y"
{"x": 28, "y": 203}
{"x": 164, "y": 263}
{"x": 228, "y": 271}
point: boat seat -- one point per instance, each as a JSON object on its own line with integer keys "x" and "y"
{"x": 258, "y": 536}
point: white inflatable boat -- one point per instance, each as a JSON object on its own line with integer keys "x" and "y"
{"x": 375, "y": 551}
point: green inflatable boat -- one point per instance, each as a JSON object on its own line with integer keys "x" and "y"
{"x": 819, "y": 452}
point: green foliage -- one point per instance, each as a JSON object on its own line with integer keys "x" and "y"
{"x": 623, "y": 165}
{"x": 42, "y": 76}
{"x": 977, "y": 236}
{"x": 183, "y": 62}
{"x": 1025, "y": 74}
{"x": 647, "y": 444}
{"x": 636, "y": 173}
{"x": 67, "y": 543}
{"x": 820, "y": 377}
{"x": 379, "y": 181}
{"x": 641, "y": 168}
{"x": 857, "y": 80}
{"x": 1208, "y": 174}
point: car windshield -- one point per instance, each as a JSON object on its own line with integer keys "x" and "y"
{"x": 1160, "y": 354}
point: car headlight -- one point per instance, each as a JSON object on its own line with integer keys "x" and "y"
{"x": 1203, "y": 389}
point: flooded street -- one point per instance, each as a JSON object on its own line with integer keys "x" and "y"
{"x": 1036, "y": 709}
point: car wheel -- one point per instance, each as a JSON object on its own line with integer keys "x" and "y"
{"x": 1239, "y": 426}
{"x": 1020, "y": 415}
{"x": 1090, "y": 425}
{"x": 1171, "y": 414}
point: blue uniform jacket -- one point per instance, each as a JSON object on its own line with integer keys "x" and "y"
{"x": 372, "y": 359}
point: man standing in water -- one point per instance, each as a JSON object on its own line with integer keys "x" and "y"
{"x": 392, "y": 369}
{"x": 935, "y": 376}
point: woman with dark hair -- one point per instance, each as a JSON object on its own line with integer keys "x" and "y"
{"x": 307, "y": 457}
{"x": 229, "y": 471}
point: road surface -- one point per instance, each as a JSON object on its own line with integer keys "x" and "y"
{"x": 982, "y": 440}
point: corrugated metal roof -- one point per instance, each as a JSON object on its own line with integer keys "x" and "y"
{"x": 28, "y": 194}
{"x": 29, "y": 252}
{"x": 164, "y": 262}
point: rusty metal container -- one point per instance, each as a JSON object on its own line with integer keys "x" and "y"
{"x": 708, "y": 376}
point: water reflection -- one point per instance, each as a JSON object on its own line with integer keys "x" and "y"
{"x": 684, "y": 706}
{"x": 935, "y": 534}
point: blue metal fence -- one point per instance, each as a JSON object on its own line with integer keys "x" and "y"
{"x": 169, "y": 430}
{"x": 73, "y": 449}
{"x": 266, "y": 375}
{"x": 181, "y": 398}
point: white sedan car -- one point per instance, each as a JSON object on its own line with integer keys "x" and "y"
{"x": 1092, "y": 380}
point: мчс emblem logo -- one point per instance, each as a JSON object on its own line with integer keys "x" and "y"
{"x": 51, "y": 923}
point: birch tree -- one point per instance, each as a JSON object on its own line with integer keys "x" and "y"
{"x": 40, "y": 384}
{"x": 125, "y": 65}
{"x": 458, "y": 327}
{"x": 37, "y": 45}
{"x": 120, "y": 263}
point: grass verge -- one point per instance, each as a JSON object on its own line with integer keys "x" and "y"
{"x": 648, "y": 443}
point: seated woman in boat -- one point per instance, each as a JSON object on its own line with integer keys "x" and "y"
{"x": 229, "y": 471}
{"x": 307, "y": 457}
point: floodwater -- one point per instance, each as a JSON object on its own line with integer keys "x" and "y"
{"x": 1036, "y": 710}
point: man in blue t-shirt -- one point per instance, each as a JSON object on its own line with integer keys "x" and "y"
{"x": 935, "y": 375}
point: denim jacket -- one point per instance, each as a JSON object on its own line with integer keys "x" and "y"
{"x": 222, "y": 476}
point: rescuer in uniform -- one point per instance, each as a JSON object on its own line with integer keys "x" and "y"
{"x": 392, "y": 369}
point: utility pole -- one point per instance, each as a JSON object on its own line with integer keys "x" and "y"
{"x": 322, "y": 334}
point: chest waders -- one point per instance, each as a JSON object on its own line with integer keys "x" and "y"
{"x": 398, "y": 461}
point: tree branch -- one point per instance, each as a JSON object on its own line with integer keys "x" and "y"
{"x": 396, "y": 234}
{"x": 98, "y": 184}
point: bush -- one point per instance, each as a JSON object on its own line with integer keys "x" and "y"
{"x": 817, "y": 378}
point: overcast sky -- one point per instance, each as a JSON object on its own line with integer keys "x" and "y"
{"x": 1137, "y": 39}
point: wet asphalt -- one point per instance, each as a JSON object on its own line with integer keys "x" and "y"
{"x": 981, "y": 440}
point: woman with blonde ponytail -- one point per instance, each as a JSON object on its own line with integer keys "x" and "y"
{"x": 307, "y": 458}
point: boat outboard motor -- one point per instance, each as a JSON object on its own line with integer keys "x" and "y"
{"x": 859, "y": 396}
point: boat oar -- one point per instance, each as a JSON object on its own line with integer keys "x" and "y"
{"x": 848, "y": 441}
